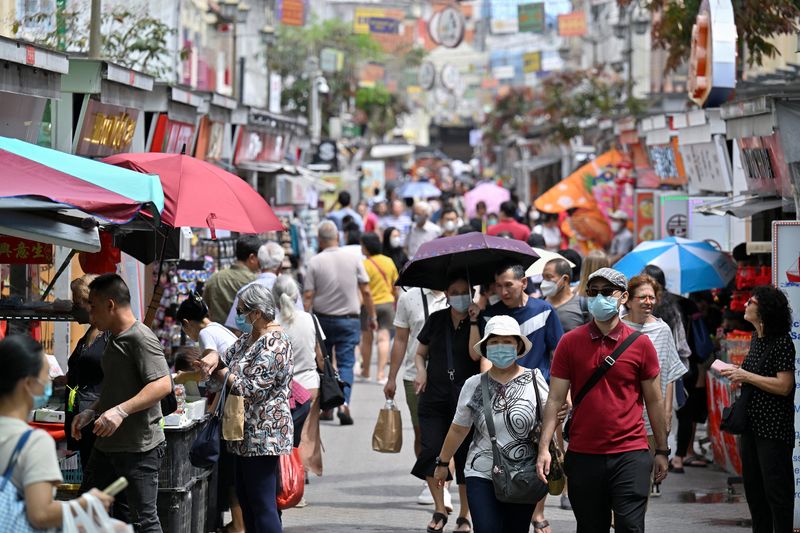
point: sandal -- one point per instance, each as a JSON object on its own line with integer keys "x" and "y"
{"x": 695, "y": 462}
{"x": 462, "y": 521}
{"x": 437, "y": 517}
{"x": 541, "y": 526}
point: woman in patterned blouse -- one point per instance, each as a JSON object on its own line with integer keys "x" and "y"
{"x": 766, "y": 446}
{"x": 259, "y": 368}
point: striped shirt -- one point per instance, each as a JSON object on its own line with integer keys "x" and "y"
{"x": 539, "y": 322}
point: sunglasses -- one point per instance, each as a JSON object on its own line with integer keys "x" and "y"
{"x": 605, "y": 291}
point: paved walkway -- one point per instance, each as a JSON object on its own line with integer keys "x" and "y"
{"x": 362, "y": 490}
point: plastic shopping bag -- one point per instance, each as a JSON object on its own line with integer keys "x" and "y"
{"x": 293, "y": 480}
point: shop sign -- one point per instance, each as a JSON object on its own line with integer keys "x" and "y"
{"x": 531, "y": 62}
{"x": 292, "y": 12}
{"x": 331, "y": 60}
{"x": 383, "y": 19}
{"x": 14, "y": 250}
{"x": 383, "y": 25}
{"x": 531, "y": 17}
{"x": 674, "y": 215}
{"x": 326, "y": 154}
{"x": 450, "y": 27}
{"x": 712, "y": 62}
{"x": 427, "y": 75}
{"x": 259, "y": 146}
{"x": 644, "y": 219}
{"x": 107, "y": 129}
{"x": 171, "y": 136}
{"x": 707, "y": 165}
{"x": 572, "y": 24}
{"x": 786, "y": 277}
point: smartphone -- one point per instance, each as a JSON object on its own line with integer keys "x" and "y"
{"x": 118, "y": 486}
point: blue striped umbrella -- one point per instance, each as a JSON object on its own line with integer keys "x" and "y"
{"x": 688, "y": 265}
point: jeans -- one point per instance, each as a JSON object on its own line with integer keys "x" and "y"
{"x": 490, "y": 515}
{"x": 343, "y": 334}
{"x": 137, "y": 503}
{"x": 256, "y": 488}
{"x": 599, "y": 484}
{"x": 768, "y": 476}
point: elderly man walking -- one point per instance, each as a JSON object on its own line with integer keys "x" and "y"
{"x": 423, "y": 229}
{"x": 612, "y": 370}
{"x": 334, "y": 280}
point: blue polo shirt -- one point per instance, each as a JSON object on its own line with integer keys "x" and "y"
{"x": 539, "y": 322}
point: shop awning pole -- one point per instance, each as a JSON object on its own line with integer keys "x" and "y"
{"x": 61, "y": 270}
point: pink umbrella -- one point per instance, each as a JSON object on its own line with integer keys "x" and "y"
{"x": 492, "y": 195}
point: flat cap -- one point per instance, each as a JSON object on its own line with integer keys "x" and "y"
{"x": 615, "y": 277}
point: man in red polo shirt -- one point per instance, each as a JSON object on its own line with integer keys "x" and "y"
{"x": 608, "y": 464}
{"x": 508, "y": 224}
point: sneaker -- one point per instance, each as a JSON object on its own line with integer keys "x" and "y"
{"x": 565, "y": 503}
{"x": 425, "y": 497}
{"x": 448, "y": 500}
{"x": 302, "y": 503}
{"x": 655, "y": 490}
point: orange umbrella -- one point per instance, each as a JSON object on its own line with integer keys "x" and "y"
{"x": 575, "y": 190}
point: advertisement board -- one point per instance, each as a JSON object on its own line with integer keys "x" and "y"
{"x": 531, "y": 17}
{"x": 572, "y": 24}
{"x": 107, "y": 130}
{"x": 786, "y": 277}
{"x": 644, "y": 218}
{"x": 673, "y": 215}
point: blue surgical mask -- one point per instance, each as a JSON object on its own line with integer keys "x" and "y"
{"x": 603, "y": 307}
{"x": 460, "y": 302}
{"x": 41, "y": 400}
{"x": 501, "y": 355}
{"x": 242, "y": 324}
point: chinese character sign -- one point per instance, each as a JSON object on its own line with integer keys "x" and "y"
{"x": 14, "y": 250}
{"x": 572, "y": 24}
{"x": 531, "y": 17}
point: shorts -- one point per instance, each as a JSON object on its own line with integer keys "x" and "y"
{"x": 412, "y": 400}
{"x": 385, "y": 314}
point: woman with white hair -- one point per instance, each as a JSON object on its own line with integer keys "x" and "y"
{"x": 258, "y": 367}
{"x": 299, "y": 326}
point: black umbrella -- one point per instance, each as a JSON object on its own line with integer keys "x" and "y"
{"x": 474, "y": 255}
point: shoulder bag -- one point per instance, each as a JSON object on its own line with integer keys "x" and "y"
{"x": 734, "y": 417}
{"x": 598, "y": 374}
{"x": 331, "y": 387}
{"x": 515, "y": 481}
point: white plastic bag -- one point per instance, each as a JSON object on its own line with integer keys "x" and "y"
{"x": 95, "y": 518}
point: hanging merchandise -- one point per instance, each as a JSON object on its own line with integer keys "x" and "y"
{"x": 106, "y": 260}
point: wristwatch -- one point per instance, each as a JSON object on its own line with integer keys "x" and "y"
{"x": 666, "y": 452}
{"x": 439, "y": 462}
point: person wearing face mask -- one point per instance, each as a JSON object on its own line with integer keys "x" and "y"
{"x": 423, "y": 229}
{"x": 25, "y": 385}
{"x": 608, "y": 450}
{"x": 393, "y": 247}
{"x": 622, "y": 242}
{"x": 84, "y": 369}
{"x": 516, "y": 393}
{"x": 449, "y": 222}
{"x": 572, "y": 310}
{"x": 444, "y": 361}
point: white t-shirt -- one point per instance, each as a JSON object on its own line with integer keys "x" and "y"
{"x": 217, "y": 337}
{"x": 303, "y": 338}
{"x": 410, "y": 314}
{"x": 38, "y": 460}
{"x": 514, "y": 419}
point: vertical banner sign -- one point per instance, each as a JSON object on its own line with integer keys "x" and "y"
{"x": 531, "y": 62}
{"x": 531, "y": 17}
{"x": 786, "y": 277}
{"x": 292, "y": 13}
{"x": 644, "y": 219}
{"x": 572, "y": 24}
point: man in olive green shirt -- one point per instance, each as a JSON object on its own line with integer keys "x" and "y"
{"x": 221, "y": 287}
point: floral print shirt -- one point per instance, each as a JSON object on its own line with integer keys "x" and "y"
{"x": 262, "y": 374}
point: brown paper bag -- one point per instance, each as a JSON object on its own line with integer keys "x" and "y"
{"x": 233, "y": 418}
{"x": 388, "y": 434}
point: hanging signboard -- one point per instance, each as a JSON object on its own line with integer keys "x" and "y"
{"x": 532, "y": 62}
{"x": 531, "y": 17}
{"x": 786, "y": 277}
{"x": 107, "y": 130}
{"x": 707, "y": 165}
{"x": 172, "y": 137}
{"x": 14, "y": 250}
{"x": 572, "y": 24}
{"x": 292, "y": 12}
{"x": 375, "y": 20}
{"x": 712, "y": 63}
{"x": 644, "y": 220}
{"x": 450, "y": 27}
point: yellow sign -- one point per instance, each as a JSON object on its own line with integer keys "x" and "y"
{"x": 532, "y": 62}
{"x": 363, "y": 15}
{"x": 114, "y": 131}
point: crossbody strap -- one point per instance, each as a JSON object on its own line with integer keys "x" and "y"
{"x": 322, "y": 347}
{"x": 487, "y": 408}
{"x": 604, "y": 367}
{"x": 12, "y": 461}
{"x": 448, "y": 343}
{"x": 383, "y": 275}
{"x": 424, "y": 303}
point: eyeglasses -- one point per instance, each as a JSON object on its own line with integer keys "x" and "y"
{"x": 646, "y": 298}
{"x": 605, "y": 291}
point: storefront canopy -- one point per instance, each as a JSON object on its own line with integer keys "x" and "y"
{"x": 110, "y": 193}
{"x": 742, "y": 207}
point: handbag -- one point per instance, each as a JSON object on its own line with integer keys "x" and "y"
{"x": 12, "y": 506}
{"x": 292, "y": 480}
{"x": 387, "y": 437}
{"x": 598, "y": 374}
{"x": 205, "y": 449}
{"x": 734, "y": 417}
{"x": 515, "y": 481}
{"x": 555, "y": 479}
{"x": 233, "y": 418}
{"x": 331, "y": 388}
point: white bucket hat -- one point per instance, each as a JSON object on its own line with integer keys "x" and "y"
{"x": 503, "y": 325}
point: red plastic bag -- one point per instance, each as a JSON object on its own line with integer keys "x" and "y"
{"x": 292, "y": 480}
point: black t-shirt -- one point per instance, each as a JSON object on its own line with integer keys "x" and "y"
{"x": 771, "y": 416}
{"x": 434, "y": 334}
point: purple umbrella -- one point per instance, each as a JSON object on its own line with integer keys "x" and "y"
{"x": 473, "y": 254}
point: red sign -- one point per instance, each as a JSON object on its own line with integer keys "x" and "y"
{"x": 14, "y": 250}
{"x": 171, "y": 136}
{"x": 572, "y": 24}
{"x": 292, "y": 13}
{"x": 30, "y": 55}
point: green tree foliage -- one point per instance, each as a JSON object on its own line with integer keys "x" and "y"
{"x": 133, "y": 39}
{"x": 381, "y": 107}
{"x": 756, "y": 21}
